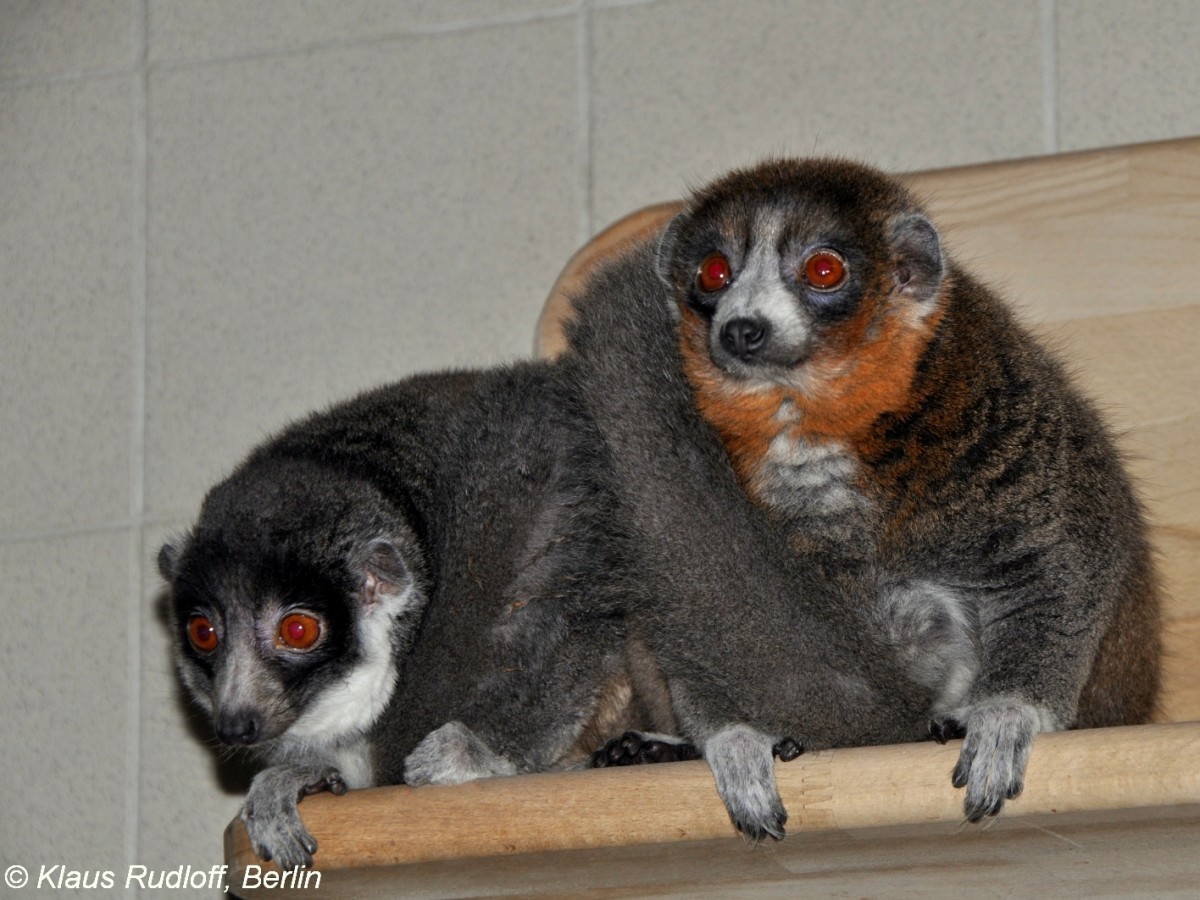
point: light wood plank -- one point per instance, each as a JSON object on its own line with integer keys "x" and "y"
{"x": 1123, "y": 853}
{"x": 835, "y": 790}
{"x": 1080, "y": 235}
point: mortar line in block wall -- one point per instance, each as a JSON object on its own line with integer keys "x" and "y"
{"x": 584, "y": 143}
{"x": 399, "y": 34}
{"x": 62, "y": 78}
{"x": 55, "y": 533}
{"x": 1050, "y": 76}
{"x": 137, "y": 493}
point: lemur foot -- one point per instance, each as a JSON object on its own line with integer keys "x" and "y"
{"x": 453, "y": 754}
{"x": 270, "y": 816}
{"x": 638, "y": 748}
{"x": 743, "y": 763}
{"x": 997, "y": 735}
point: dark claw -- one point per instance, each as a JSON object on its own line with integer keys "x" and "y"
{"x": 787, "y": 749}
{"x": 1015, "y": 790}
{"x": 989, "y": 807}
{"x": 760, "y": 831}
{"x": 942, "y": 730}
{"x": 959, "y": 777}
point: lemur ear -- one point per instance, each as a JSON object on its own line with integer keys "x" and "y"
{"x": 666, "y": 250}
{"x": 918, "y": 250}
{"x": 168, "y": 560}
{"x": 385, "y": 572}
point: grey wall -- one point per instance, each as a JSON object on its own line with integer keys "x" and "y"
{"x": 218, "y": 214}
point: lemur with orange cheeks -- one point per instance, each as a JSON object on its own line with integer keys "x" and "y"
{"x": 909, "y": 436}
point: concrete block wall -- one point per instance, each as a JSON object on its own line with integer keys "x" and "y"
{"x": 216, "y": 215}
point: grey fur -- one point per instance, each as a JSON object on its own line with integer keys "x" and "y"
{"x": 744, "y": 769}
{"x": 453, "y": 754}
{"x": 270, "y": 816}
{"x": 454, "y": 520}
{"x": 934, "y": 629}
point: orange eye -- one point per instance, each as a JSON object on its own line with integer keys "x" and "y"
{"x": 824, "y": 270}
{"x": 714, "y": 273}
{"x": 202, "y": 634}
{"x": 298, "y": 631}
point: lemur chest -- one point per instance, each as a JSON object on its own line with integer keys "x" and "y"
{"x": 798, "y": 476}
{"x": 798, "y": 473}
{"x": 354, "y": 762}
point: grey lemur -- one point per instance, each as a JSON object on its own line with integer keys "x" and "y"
{"x": 762, "y": 652}
{"x": 428, "y": 557}
{"x": 919, "y": 446}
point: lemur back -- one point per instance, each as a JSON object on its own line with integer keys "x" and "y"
{"x": 892, "y": 416}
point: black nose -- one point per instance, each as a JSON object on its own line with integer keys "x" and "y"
{"x": 239, "y": 727}
{"x": 744, "y": 337}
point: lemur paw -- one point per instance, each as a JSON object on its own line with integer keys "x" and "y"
{"x": 270, "y": 816}
{"x": 638, "y": 748}
{"x": 453, "y": 754}
{"x": 997, "y": 735}
{"x": 743, "y": 763}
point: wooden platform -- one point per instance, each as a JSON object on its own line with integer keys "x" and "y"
{"x": 1102, "y": 250}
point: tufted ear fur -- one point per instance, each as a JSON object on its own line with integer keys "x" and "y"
{"x": 918, "y": 252}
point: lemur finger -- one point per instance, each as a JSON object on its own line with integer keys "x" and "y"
{"x": 332, "y": 781}
{"x": 786, "y": 749}
{"x": 946, "y": 729}
{"x": 630, "y": 745}
{"x": 614, "y": 751}
{"x": 962, "y": 771}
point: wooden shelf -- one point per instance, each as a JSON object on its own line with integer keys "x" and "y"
{"x": 388, "y": 835}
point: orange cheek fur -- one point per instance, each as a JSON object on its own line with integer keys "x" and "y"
{"x": 744, "y": 418}
{"x": 858, "y": 374}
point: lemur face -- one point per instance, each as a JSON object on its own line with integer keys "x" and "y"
{"x": 256, "y": 641}
{"x": 284, "y": 626}
{"x": 796, "y": 272}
